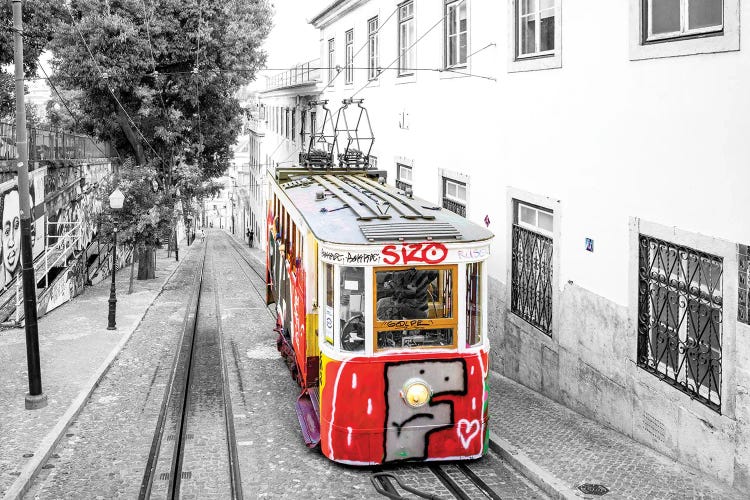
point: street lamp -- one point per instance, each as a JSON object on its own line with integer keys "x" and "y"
{"x": 116, "y": 200}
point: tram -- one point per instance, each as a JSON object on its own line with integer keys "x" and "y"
{"x": 381, "y": 302}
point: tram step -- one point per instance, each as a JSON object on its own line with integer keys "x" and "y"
{"x": 309, "y": 416}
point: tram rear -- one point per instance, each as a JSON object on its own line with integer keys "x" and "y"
{"x": 382, "y": 303}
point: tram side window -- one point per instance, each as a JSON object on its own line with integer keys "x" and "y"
{"x": 351, "y": 314}
{"x": 415, "y": 308}
{"x": 329, "y": 303}
{"x": 473, "y": 304}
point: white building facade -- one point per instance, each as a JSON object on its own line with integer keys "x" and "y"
{"x": 605, "y": 144}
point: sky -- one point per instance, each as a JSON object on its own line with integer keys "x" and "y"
{"x": 292, "y": 39}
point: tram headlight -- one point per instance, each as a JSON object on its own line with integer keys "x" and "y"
{"x": 416, "y": 393}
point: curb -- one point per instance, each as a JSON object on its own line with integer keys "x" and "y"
{"x": 43, "y": 452}
{"x": 541, "y": 477}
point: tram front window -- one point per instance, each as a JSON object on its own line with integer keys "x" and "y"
{"x": 415, "y": 307}
{"x": 351, "y": 315}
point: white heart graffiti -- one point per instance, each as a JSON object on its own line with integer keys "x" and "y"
{"x": 467, "y": 431}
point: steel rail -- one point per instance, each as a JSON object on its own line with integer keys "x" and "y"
{"x": 456, "y": 490}
{"x": 234, "y": 463}
{"x": 186, "y": 349}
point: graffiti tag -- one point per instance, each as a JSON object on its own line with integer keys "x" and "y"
{"x": 351, "y": 257}
{"x": 473, "y": 254}
{"x": 426, "y": 253}
{"x": 408, "y": 324}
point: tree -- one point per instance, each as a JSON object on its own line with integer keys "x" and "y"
{"x": 143, "y": 220}
{"x": 161, "y": 75}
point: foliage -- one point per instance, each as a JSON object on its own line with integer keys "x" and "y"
{"x": 144, "y": 219}
{"x": 180, "y": 112}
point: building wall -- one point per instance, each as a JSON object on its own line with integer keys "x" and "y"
{"x": 617, "y": 143}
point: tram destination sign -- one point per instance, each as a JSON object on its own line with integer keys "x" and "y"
{"x": 403, "y": 254}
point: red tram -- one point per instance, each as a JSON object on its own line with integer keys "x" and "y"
{"x": 382, "y": 317}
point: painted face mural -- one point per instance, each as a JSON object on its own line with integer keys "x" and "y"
{"x": 408, "y": 427}
{"x": 11, "y": 231}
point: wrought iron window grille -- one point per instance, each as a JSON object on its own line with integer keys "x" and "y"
{"x": 454, "y": 207}
{"x": 531, "y": 278}
{"x": 680, "y": 318}
{"x": 402, "y": 186}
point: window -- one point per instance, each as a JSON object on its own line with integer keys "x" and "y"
{"x": 669, "y": 28}
{"x": 373, "y": 161}
{"x": 680, "y": 317}
{"x": 313, "y": 124}
{"x": 403, "y": 177}
{"x": 302, "y": 124}
{"x": 473, "y": 304}
{"x": 679, "y": 18}
{"x": 331, "y": 59}
{"x": 454, "y": 196}
{"x": 293, "y": 129}
{"x": 373, "y": 61}
{"x": 330, "y": 301}
{"x": 536, "y": 28}
{"x": 351, "y": 309}
{"x": 531, "y": 271}
{"x": 456, "y": 33}
{"x": 406, "y": 37}
{"x": 349, "y": 54}
{"x": 415, "y": 307}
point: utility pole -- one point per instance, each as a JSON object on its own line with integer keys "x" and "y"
{"x": 35, "y": 399}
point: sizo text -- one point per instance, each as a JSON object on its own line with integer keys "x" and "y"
{"x": 409, "y": 253}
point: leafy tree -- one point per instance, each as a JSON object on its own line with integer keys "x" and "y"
{"x": 143, "y": 222}
{"x": 161, "y": 76}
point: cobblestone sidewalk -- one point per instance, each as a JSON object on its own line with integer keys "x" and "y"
{"x": 75, "y": 349}
{"x": 563, "y": 448}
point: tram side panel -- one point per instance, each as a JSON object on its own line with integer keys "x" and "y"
{"x": 288, "y": 286}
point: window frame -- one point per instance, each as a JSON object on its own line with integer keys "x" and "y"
{"x": 331, "y": 60}
{"x": 349, "y": 56}
{"x": 373, "y": 49}
{"x": 408, "y": 20}
{"x": 537, "y": 34}
{"x": 455, "y": 4}
{"x": 684, "y": 31}
{"x": 437, "y": 323}
{"x": 642, "y": 48}
{"x": 539, "y": 61}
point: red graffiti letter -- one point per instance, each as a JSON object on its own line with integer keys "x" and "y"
{"x": 434, "y": 253}
{"x": 391, "y": 255}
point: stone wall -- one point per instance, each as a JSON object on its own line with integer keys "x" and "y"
{"x": 589, "y": 365}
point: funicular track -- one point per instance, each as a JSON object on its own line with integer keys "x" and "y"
{"x": 196, "y": 401}
{"x": 457, "y": 478}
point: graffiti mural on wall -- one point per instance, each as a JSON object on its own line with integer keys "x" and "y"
{"x": 11, "y": 224}
{"x": 365, "y": 420}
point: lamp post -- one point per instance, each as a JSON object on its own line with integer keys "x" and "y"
{"x": 116, "y": 200}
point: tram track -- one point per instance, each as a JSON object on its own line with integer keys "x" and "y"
{"x": 194, "y": 449}
{"x": 238, "y": 252}
{"x": 457, "y": 479}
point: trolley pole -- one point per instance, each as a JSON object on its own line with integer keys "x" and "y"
{"x": 35, "y": 399}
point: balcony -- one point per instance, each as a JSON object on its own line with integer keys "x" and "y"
{"x": 302, "y": 74}
{"x": 51, "y": 144}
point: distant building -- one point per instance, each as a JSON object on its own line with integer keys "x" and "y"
{"x": 605, "y": 144}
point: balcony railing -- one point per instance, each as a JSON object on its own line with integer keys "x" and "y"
{"x": 51, "y": 144}
{"x": 298, "y": 75}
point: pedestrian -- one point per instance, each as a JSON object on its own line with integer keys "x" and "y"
{"x": 250, "y": 234}
{"x": 203, "y": 235}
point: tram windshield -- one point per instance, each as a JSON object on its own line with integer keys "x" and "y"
{"x": 415, "y": 307}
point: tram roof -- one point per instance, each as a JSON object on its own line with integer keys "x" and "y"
{"x": 352, "y": 207}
